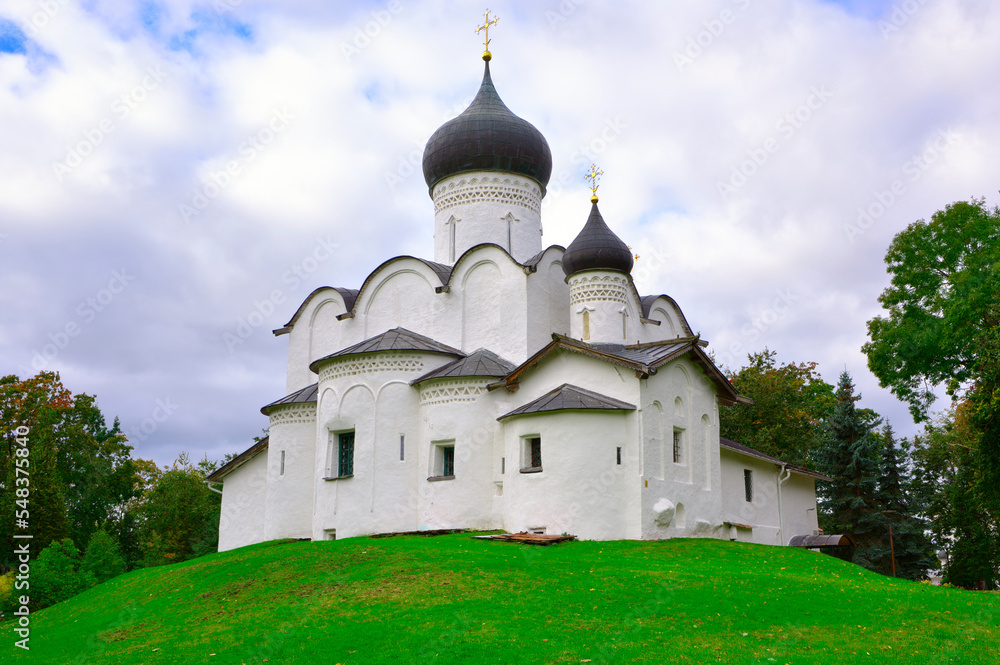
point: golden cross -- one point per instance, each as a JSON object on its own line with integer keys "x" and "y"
{"x": 486, "y": 27}
{"x": 594, "y": 176}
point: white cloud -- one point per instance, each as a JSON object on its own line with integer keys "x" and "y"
{"x": 362, "y": 106}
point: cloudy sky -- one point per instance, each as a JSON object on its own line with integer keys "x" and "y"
{"x": 172, "y": 170}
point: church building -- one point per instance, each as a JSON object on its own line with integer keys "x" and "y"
{"x": 503, "y": 385}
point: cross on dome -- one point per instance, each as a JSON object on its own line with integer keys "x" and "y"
{"x": 486, "y": 44}
{"x": 594, "y": 176}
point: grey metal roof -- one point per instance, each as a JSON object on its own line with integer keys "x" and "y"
{"x": 487, "y": 136}
{"x": 567, "y": 397}
{"x": 747, "y": 450}
{"x": 304, "y": 396}
{"x": 596, "y": 247}
{"x": 238, "y": 461}
{"x": 397, "y": 339}
{"x": 350, "y": 296}
{"x": 481, "y": 362}
{"x": 652, "y": 355}
{"x": 822, "y": 540}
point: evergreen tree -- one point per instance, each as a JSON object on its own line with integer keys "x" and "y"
{"x": 102, "y": 559}
{"x": 914, "y": 552}
{"x": 852, "y": 458}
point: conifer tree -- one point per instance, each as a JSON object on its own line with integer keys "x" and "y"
{"x": 852, "y": 458}
{"x": 908, "y": 542}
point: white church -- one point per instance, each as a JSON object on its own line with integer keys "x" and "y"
{"x": 503, "y": 385}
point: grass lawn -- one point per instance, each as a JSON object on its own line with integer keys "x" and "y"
{"x": 452, "y": 599}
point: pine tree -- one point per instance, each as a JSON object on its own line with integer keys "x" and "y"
{"x": 913, "y": 551}
{"x": 852, "y": 458}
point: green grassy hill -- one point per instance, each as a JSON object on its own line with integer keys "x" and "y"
{"x": 452, "y": 599}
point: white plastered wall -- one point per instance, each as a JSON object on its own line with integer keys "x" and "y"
{"x": 289, "y": 504}
{"x": 456, "y": 412}
{"x": 371, "y": 396}
{"x": 244, "y": 493}
{"x": 486, "y": 207}
{"x": 762, "y": 512}
{"x": 680, "y": 499}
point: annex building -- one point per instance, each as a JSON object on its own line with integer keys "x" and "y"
{"x": 503, "y": 384}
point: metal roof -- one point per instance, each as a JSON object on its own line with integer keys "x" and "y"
{"x": 747, "y": 450}
{"x": 397, "y": 339}
{"x": 643, "y": 358}
{"x": 238, "y": 461}
{"x": 567, "y": 397}
{"x": 647, "y": 305}
{"x": 597, "y": 247}
{"x": 350, "y": 296}
{"x": 304, "y": 396}
{"x": 822, "y": 540}
{"x": 487, "y": 136}
{"x": 481, "y": 362}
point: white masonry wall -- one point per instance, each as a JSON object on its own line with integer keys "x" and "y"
{"x": 289, "y": 504}
{"x": 244, "y": 493}
{"x": 487, "y": 207}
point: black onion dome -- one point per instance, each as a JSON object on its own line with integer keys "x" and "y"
{"x": 596, "y": 248}
{"x": 487, "y": 136}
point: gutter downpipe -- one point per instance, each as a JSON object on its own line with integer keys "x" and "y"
{"x": 219, "y": 492}
{"x": 783, "y": 477}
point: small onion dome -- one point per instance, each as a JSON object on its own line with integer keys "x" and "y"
{"x": 487, "y": 136}
{"x": 596, "y": 248}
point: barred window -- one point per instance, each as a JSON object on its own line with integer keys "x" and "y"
{"x": 345, "y": 466}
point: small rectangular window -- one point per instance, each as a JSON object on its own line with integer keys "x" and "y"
{"x": 402, "y": 447}
{"x": 345, "y": 466}
{"x": 442, "y": 462}
{"x": 748, "y": 483}
{"x": 678, "y": 444}
{"x": 619, "y": 454}
{"x": 531, "y": 454}
{"x": 281, "y": 471}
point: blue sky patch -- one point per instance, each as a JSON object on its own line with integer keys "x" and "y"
{"x": 12, "y": 38}
{"x": 210, "y": 23}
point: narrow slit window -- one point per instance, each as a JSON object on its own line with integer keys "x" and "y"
{"x": 619, "y": 452}
{"x": 402, "y": 447}
{"x": 448, "y": 461}
{"x": 678, "y": 446}
{"x": 536, "y": 452}
{"x": 281, "y": 470}
{"x": 748, "y": 484}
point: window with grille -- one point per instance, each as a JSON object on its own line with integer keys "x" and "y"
{"x": 345, "y": 456}
{"x": 531, "y": 454}
{"x": 748, "y": 483}
{"x": 678, "y": 446}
